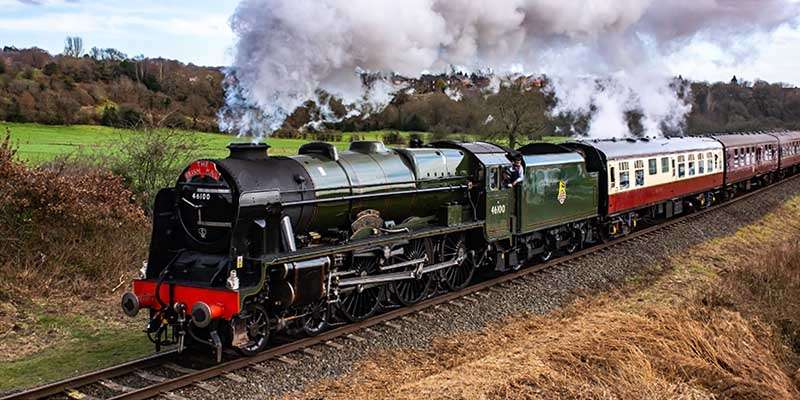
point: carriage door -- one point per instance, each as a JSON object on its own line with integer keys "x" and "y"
{"x": 498, "y": 209}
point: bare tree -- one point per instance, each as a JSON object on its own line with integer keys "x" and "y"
{"x": 73, "y": 46}
{"x": 517, "y": 110}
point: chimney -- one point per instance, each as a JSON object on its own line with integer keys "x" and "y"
{"x": 249, "y": 151}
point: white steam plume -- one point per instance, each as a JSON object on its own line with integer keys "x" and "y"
{"x": 290, "y": 50}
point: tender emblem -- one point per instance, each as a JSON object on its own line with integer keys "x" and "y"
{"x": 562, "y": 191}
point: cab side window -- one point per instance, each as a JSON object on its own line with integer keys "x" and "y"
{"x": 494, "y": 178}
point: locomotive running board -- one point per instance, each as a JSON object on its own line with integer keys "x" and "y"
{"x": 397, "y": 276}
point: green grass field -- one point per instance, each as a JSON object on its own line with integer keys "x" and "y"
{"x": 38, "y": 143}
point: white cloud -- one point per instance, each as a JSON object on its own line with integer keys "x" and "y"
{"x": 772, "y": 58}
{"x": 195, "y": 32}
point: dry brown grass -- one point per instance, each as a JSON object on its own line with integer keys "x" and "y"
{"x": 721, "y": 322}
{"x": 662, "y": 353}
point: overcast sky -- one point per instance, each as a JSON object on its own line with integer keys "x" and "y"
{"x": 198, "y": 32}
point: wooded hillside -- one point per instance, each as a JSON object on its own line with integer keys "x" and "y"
{"x": 109, "y": 88}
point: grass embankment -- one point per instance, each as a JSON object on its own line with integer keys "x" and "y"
{"x": 720, "y": 321}
{"x": 66, "y": 343}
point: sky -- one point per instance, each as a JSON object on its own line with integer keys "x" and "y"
{"x": 199, "y": 32}
{"x": 190, "y": 31}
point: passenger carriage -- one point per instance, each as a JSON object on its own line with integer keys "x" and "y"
{"x": 789, "y": 146}
{"x": 653, "y": 177}
{"x": 749, "y": 159}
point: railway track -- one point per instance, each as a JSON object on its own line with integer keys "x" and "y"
{"x": 160, "y": 385}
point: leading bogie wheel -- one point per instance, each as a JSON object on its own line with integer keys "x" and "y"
{"x": 257, "y": 326}
{"x": 316, "y": 319}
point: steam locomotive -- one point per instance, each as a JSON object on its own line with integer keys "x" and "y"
{"x": 251, "y": 245}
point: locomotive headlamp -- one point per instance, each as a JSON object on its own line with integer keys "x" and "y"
{"x": 130, "y": 304}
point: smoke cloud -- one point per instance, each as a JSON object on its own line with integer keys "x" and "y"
{"x": 604, "y": 58}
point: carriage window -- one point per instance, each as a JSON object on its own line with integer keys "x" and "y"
{"x": 716, "y": 161}
{"x": 673, "y": 167}
{"x": 639, "y": 172}
{"x": 710, "y": 165}
{"x": 681, "y": 170}
{"x": 613, "y": 176}
{"x": 652, "y": 166}
{"x": 735, "y": 157}
{"x": 624, "y": 175}
{"x": 494, "y": 178}
{"x": 624, "y": 182}
{"x": 700, "y": 164}
{"x": 664, "y": 165}
{"x": 691, "y": 168}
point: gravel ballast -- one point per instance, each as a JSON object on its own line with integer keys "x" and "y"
{"x": 546, "y": 291}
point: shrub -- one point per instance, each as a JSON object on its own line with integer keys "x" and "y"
{"x": 151, "y": 160}
{"x": 329, "y": 136}
{"x": 109, "y": 116}
{"x": 287, "y": 133}
{"x": 394, "y": 137}
{"x": 70, "y": 228}
{"x": 50, "y": 69}
{"x": 130, "y": 116}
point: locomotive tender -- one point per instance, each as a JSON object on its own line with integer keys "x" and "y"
{"x": 252, "y": 244}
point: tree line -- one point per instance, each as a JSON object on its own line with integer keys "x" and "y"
{"x": 106, "y": 86}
